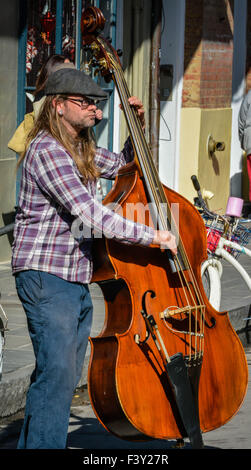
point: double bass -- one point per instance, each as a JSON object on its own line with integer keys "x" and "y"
{"x": 166, "y": 364}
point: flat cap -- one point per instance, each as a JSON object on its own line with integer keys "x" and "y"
{"x": 72, "y": 81}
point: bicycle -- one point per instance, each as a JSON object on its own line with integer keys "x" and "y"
{"x": 227, "y": 237}
{"x": 3, "y": 317}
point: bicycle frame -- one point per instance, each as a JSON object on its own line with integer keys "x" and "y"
{"x": 220, "y": 251}
{"x": 3, "y": 328}
{"x": 212, "y": 266}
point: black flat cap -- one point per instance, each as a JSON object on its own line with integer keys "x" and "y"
{"x": 72, "y": 81}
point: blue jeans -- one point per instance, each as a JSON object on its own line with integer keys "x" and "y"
{"x": 59, "y": 316}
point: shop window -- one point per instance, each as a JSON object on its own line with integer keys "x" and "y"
{"x": 54, "y": 27}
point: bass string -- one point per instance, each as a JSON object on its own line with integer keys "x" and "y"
{"x": 149, "y": 160}
{"x": 140, "y": 142}
{"x": 138, "y": 136}
{"x": 159, "y": 195}
{"x": 184, "y": 290}
{"x": 133, "y": 127}
{"x": 152, "y": 171}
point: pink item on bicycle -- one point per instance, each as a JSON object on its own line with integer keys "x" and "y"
{"x": 234, "y": 206}
{"x": 213, "y": 238}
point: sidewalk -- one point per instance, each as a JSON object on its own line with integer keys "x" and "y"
{"x": 18, "y": 360}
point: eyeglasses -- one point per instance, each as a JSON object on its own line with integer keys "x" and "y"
{"x": 84, "y": 103}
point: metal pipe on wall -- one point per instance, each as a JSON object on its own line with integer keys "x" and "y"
{"x": 154, "y": 105}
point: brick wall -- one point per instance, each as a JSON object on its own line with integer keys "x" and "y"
{"x": 208, "y": 54}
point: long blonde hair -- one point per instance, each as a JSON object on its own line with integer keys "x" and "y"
{"x": 81, "y": 150}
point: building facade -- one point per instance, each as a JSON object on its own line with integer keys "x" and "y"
{"x": 187, "y": 60}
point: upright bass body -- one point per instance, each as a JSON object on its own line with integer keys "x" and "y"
{"x": 166, "y": 364}
{"x": 128, "y": 385}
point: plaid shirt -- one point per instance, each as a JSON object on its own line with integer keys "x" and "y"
{"x": 54, "y": 203}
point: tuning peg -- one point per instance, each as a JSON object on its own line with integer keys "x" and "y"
{"x": 119, "y": 52}
{"x": 109, "y": 39}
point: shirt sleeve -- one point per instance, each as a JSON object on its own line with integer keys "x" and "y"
{"x": 244, "y": 120}
{"x": 56, "y": 176}
{"x": 109, "y": 162}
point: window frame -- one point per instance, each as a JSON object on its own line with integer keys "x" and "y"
{"x": 22, "y": 88}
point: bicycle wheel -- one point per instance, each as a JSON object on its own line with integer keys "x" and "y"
{"x": 211, "y": 274}
{"x": 206, "y": 283}
{"x": 1, "y": 346}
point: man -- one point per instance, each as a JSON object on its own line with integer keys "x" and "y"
{"x": 244, "y": 128}
{"x": 51, "y": 263}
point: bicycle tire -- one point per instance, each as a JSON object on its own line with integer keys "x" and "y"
{"x": 1, "y": 346}
{"x": 212, "y": 284}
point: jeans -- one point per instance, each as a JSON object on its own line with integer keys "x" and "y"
{"x": 59, "y": 316}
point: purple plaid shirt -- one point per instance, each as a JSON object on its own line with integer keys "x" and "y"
{"x": 58, "y": 213}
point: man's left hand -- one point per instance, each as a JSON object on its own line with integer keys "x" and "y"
{"x": 138, "y": 105}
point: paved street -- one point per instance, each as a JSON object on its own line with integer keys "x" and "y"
{"x": 85, "y": 432}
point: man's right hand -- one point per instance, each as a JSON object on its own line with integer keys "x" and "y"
{"x": 165, "y": 239}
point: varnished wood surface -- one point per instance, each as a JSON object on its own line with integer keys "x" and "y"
{"x": 138, "y": 387}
